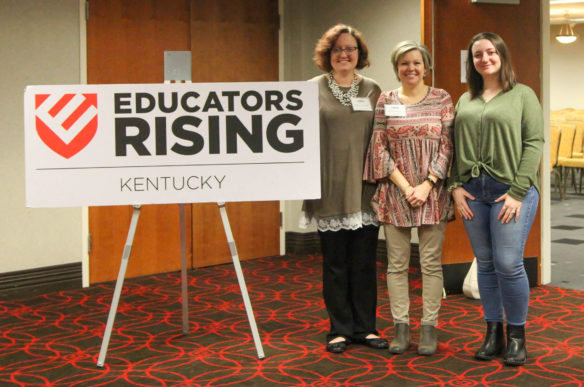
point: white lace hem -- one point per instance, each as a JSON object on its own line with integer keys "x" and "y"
{"x": 335, "y": 223}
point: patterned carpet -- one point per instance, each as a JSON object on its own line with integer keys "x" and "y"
{"x": 54, "y": 339}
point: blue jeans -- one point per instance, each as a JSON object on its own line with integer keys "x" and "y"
{"x": 499, "y": 247}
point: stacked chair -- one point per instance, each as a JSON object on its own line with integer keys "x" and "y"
{"x": 554, "y": 146}
{"x": 567, "y": 148}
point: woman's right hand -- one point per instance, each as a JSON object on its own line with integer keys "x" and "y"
{"x": 460, "y": 196}
{"x": 418, "y": 195}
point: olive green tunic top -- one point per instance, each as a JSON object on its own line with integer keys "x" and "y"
{"x": 502, "y": 137}
{"x": 344, "y": 140}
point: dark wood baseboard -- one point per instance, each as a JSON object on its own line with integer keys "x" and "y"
{"x": 298, "y": 243}
{"x": 68, "y": 276}
{"x": 454, "y": 273}
{"x": 42, "y": 279}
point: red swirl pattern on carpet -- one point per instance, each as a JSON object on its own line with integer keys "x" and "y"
{"x": 54, "y": 339}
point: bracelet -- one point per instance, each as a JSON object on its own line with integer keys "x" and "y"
{"x": 430, "y": 180}
{"x": 453, "y": 186}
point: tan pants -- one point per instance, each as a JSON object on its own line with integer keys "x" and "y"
{"x": 398, "y": 257}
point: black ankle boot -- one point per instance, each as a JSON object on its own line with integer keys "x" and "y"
{"x": 494, "y": 343}
{"x": 516, "y": 353}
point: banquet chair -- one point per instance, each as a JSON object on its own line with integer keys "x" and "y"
{"x": 555, "y": 134}
{"x": 565, "y": 154}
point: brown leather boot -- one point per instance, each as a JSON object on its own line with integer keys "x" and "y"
{"x": 401, "y": 340}
{"x": 428, "y": 340}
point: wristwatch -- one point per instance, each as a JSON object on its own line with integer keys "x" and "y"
{"x": 430, "y": 180}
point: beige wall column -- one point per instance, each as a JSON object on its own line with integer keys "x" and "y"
{"x": 39, "y": 45}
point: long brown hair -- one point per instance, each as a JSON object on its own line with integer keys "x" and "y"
{"x": 322, "y": 52}
{"x": 506, "y": 74}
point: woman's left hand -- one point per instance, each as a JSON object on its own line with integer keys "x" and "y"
{"x": 510, "y": 209}
{"x": 419, "y": 194}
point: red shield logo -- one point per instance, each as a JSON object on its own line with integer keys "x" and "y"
{"x": 66, "y": 123}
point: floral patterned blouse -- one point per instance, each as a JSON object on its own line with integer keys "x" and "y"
{"x": 418, "y": 144}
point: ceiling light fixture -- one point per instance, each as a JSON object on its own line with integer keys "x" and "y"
{"x": 566, "y": 34}
{"x": 554, "y": 2}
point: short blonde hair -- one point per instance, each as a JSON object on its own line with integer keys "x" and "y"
{"x": 406, "y": 46}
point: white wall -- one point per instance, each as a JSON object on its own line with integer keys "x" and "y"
{"x": 39, "y": 44}
{"x": 566, "y": 75}
{"x": 383, "y": 24}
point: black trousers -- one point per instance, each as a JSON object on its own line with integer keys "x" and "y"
{"x": 350, "y": 281}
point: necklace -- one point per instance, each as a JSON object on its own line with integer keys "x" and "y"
{"x": 343, "y": 97}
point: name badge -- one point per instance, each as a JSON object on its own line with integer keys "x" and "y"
{"x": 361, "y": 104}
{"x": 395, "y": 110}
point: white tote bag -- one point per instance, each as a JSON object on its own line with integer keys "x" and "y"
{"x": 470, "y": 286}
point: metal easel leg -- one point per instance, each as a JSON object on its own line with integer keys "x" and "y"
{"x": 118, "y": 288}
{"x": 241, "y": 280}
{"x": 183, "y": 269}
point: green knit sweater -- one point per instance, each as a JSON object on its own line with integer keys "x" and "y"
{"x": 502, "y": 137}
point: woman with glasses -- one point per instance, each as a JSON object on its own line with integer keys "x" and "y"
{"x": 498, "y": 137}
{"x": 409, "y": 156}
{"x": 346, "y": 223}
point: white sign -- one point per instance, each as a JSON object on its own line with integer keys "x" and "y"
{"x": 463, "y": 60}
{"x": 90, "y": 145}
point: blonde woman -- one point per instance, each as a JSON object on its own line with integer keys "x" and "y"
{"x": 409, "y": 156}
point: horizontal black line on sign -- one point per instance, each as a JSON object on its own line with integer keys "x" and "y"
{"x": 172, "y": 165}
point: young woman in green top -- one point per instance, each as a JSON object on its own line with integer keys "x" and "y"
{"x": 498, "y": 140}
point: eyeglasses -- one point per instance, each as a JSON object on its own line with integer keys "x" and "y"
{"x": 347, "y": 50}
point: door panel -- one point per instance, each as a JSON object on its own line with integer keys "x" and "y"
{"x": 126, "y": 40}
{"x": 255, "y": 227}
{"x": 523, "y": 40}
{"x": 235, "y": 41}
{"x": 156, "y": 245}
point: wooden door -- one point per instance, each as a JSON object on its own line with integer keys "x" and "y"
{"x": 455, "y": 23}
{"x": 126, "y": 40}
{"x": 235, "y": 41}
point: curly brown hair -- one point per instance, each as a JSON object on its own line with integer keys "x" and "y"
{"x": 322, "y": 51}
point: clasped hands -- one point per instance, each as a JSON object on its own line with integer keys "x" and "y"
{"x": 418, "y": 195}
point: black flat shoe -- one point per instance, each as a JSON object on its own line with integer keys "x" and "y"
{"x": 338, "y": 347}
{"x": 374, "y": 342}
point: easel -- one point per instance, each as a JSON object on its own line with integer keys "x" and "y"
{"x": 177, "y": 68}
